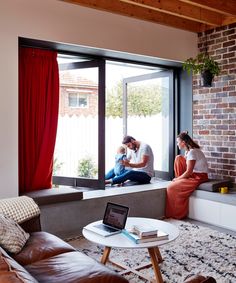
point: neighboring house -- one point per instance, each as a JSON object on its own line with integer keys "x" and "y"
{"x": 78, "y": 96}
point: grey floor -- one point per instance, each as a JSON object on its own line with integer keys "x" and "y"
{"x": 223, "y": 230}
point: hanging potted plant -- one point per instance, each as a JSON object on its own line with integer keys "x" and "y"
{"x": 203, "y": 64}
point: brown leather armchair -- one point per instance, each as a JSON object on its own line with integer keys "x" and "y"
{"x": 47, "y": 258}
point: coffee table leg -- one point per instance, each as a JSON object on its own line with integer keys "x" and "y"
{"x": 158, "y": 254}
{"x": 105, "y": 255}
{"x": 154, "y": 259}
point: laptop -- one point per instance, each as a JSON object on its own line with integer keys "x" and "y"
{"x": 113, "y": 222}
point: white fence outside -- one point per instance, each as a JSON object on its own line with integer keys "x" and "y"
{"x": 77, "y": 139}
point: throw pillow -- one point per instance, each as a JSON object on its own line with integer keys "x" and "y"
{"x": 12, "y": 236}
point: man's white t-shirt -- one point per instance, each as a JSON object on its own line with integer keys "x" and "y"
{"x": 201, "y": 162}
{"x": 136, "y": 157}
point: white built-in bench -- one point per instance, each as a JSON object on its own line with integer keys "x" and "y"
{"x": 214, "y": 208}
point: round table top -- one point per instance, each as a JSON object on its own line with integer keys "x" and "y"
{"x": 122, "y": 241}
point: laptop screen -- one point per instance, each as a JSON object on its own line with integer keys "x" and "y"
{"x": 115, "y": 215}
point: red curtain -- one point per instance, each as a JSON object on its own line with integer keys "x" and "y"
{"x": 38, "y": 116}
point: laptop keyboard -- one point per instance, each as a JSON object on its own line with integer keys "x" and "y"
{"x": 105, "y": 228}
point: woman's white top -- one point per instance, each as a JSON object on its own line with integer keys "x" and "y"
{"x": 201, "y": 162}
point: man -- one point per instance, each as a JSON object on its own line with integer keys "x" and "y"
{"x": 139, "y": 160}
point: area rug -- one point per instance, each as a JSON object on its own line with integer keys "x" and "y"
{"x": 197, "y": 250}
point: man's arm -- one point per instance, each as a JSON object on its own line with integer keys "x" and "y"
{"x": 142, "y": 163}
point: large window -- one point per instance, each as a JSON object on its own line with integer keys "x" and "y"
{"x": 137, "y": 100}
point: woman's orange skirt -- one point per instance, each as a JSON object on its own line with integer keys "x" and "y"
{"x": 179, "y": 191}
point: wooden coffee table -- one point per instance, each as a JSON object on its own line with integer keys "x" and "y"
{"x": 122, "y": 242}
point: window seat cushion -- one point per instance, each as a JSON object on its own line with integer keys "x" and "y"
{"x": 55, "y": 195}
{"x": 213, "y": 185}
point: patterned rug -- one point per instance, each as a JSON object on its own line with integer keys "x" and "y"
{"x": 197, "y": 250}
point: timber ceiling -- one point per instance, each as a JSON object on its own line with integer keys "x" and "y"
{"x": 191, "y": 15}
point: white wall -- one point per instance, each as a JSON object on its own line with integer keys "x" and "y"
{"x": 54, "y": 20}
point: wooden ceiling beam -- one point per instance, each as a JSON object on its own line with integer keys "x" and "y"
{"x": 182, "y": 10}
{"x": 131, "y": 10}
{"x": 227, "y": 7}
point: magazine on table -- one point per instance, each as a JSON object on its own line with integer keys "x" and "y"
{"x": 159, "y": 236}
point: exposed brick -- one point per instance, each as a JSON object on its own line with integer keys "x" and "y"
{"x": 216, "y": 111}
{"x": 216, "y": 154}
{"x": 227, "y": 78}
{"x": 204, "y": 132}
{"x": 216, "y": 57}
{"x": 223, "y": 39}
{"x": 222, "y": 95}
{"x": 222, "y": 127}
{"x": 232, "y": 71}
{"x": 222, "y": 105}
{"x": 216, "y": 35}
{"x": 229, "y": 167}
{"x": 216, "y": 130}
{"x": 229, "y": 155}
{"x": 216, "y": 46}
{"x": 228, "y": 66}
{"x": 229, "y": 43}
{"x": 229, "y": 55}
{"x": 233, "y": 36}
{"x": 228, "y": 32}
{"x": 233, "y": 48}
{"x": 221, "y": 51}
{"x": 203, "y": 91}
{"x": 229, "y": 88}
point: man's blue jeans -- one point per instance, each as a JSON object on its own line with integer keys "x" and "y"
{"x": 132, "y": 175}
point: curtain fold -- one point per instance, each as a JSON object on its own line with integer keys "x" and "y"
{"x": 38, "y": 117}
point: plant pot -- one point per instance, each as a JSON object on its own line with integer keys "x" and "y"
{"x": 206, "y": 78}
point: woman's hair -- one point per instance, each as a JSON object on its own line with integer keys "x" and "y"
{"x": 188, "y": 140}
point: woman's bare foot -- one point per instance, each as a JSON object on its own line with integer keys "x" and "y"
{"x": 107, "y": 182}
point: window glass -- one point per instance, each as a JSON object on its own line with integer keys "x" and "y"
{"x": 76, "y": 150}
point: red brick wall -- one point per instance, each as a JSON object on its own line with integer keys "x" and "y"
{"x": 214, "y": 108}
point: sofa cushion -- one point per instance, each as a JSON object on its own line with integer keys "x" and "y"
{"x": 19, "y": 209}
{"x": 73, "y": 267}
{"x": 213, "y": 185}
{"x": 12, "y": 236}
{"x": 12, "y": 272}
{"x": 41, "y": 245}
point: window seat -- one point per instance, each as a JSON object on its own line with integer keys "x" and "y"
{"x": 65, "y": 212}
{"x": 55, "y": 195}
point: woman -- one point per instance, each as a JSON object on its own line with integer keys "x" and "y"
{"x": 190, "y": 172}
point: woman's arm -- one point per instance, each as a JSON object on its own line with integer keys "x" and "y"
{"x": 189, "y": 170}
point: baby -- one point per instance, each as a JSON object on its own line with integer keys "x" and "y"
{"x": 120, "y": 155}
